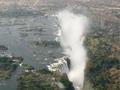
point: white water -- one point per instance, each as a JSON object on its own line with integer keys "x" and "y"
{"x": 72, "y": 34}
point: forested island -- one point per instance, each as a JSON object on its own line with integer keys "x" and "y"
{"x": 42, "y": 79}
{"x": 8, "y": 64}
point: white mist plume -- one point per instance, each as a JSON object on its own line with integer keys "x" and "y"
{"x": 73, "y": 32}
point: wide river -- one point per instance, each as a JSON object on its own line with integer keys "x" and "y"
{"x": 20, "y": 34}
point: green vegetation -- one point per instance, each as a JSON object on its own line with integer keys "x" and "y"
{"x": 36, "y": 79}
{"x": 7, "y": 66}
{"x": 41, "y": 79}
{"x": 64, "y": 80}
{"x": 103, "y": 64}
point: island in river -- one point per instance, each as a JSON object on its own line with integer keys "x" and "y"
{"x": 8, "y": 64}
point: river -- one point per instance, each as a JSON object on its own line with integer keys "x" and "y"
{"x": 19, "y": 35}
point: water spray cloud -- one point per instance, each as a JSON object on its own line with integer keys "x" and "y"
{"x": 73, "y": 30}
